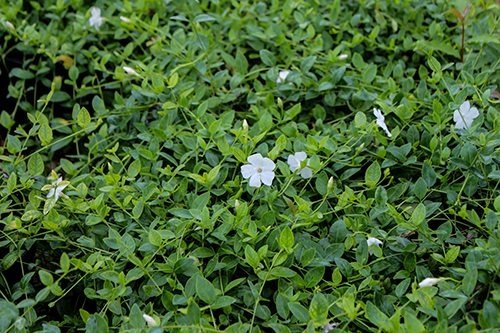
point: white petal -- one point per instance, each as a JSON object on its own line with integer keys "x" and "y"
{"x": 282, "y": 76}
{"x": 149, "y": 320}
{"x": 427, "y": 282}
{"x": 293, "y": 163}
{"x": 306, "y": 173}
{"x": 378, "y": 114}
{"x": 465, "y": 107}
{"x": 300, "y": 156}
{"x": 255, "y": 180}
{"x": 267, "y": 177}
{"x": 459, "y": 120}
{"x": 125, "y": 19}
{"x": 373, "y": 241}
{"x": 255, "y": 159}
{"x": 473, "y": 113}
{"x": 95, "y": 11}
{"x": 267, "y": 164}
{"x": 248, "y": 170}
{"x": 343, "y": 57}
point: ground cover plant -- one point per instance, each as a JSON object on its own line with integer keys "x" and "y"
{"x": 234, "y": 166}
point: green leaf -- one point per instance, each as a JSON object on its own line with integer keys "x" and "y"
{"x": 154, "y": 237}
{"x": 373, "y": 174}
{"x": 376, "y": 317}
{"x": 64, "y": 262}
{"x": 134, "y": 168}
{"x": 205, "y": 290}
{"x": 8, "y": 314}
{"x": 83, "y": 119}
{"x": 96, "y": 324}
{"x": 45, "y": 134}
{"x": 286, "y": 239}
{"x": 452, "y": 254}
{"x": 434, "y": 64}
{"x": 318, "y": 309}
{"x": 46, "y": 278}
{"x": 299, "y": 312}
{"x": 267, "y": 57}
{"x": 251, "y": 257}
{"x": 35, "y": 165}
{"x": 418, "y": 215}
{"x": 21, "y": 74}
{"x": 98, "y": 106}
{"x": 293, "y": 111}
{"x": 412, "y": 324}
{"x": 14, "y": 145}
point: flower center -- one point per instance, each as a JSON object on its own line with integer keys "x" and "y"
{"x": 259, "y": 170}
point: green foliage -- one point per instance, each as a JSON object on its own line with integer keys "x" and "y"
{"x": 123, "y": 206}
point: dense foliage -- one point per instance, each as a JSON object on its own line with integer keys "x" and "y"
{"x": 124, "y": 129}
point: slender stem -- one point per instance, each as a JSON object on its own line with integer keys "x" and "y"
{"x": 463, "y": 42}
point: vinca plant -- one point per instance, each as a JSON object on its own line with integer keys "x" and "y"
{"x": 249, "y": 166}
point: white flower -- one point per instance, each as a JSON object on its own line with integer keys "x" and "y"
{"x": 381, "y": 121}
{"x": 465, "y": 115}
{"x": 9, "y": 25}
{"x": 428, "y": 282}
{"x": 343, "y": 56}
{"x": 125, "y": 19}
{"x": 330, "y": 326}
{"x": 130, "y": 71}
{"x": 295, "y": 163}
{"x": 245, "y": 125}
{"x": 260, "y": 170}
{"x": 56, "y": 189}
{"x": 95, "y": 20}
{"x": 282, "y": 75}
{"x": 373, "y": 241}
{"x": 150, "y": 320}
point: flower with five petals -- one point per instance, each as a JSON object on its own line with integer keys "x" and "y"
{"x": 260, "y": 170}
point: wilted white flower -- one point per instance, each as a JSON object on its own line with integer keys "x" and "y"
{"x": 330, "y": 326}
{"x": 373, "y": 241}
{"x": 95, "y": 20}
{"x": 125, "y": 19}
{"x": 9, "y": 25}
{"x": 296, "y": 162}
{"x": 56, "y": 188}
{"x": 381, "y": 121}
{"x": 282, "y": 75}
{"x": 428, "y": 282}
{"x": 465, "y": 115}
{"x": 260, "y": 170}
{"x": 150, "y": 320}
{"x": 130, "y": 71}
{"x": 343, "y": 56}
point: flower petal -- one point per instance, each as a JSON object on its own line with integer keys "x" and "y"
{"x": 428, "y": 282}
{"x": 255, "y": 159}
{"x": 293, "y": 163}
{"x": 306, "y": 173}
{"x": 300, "y": 156}
{"x": 464, "y": 108}
{"x": 267, "y": 177}
{"x": 248, "y": 170}
{"x": 255, "y": 180}
{"x": 373, "y": 241}
{"x": 473, "y": 113}
{"x": 459, "y": 120}
{"x": 267, "y": 164}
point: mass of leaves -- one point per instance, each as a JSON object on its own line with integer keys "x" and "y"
{"x": 124, "y": 127}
